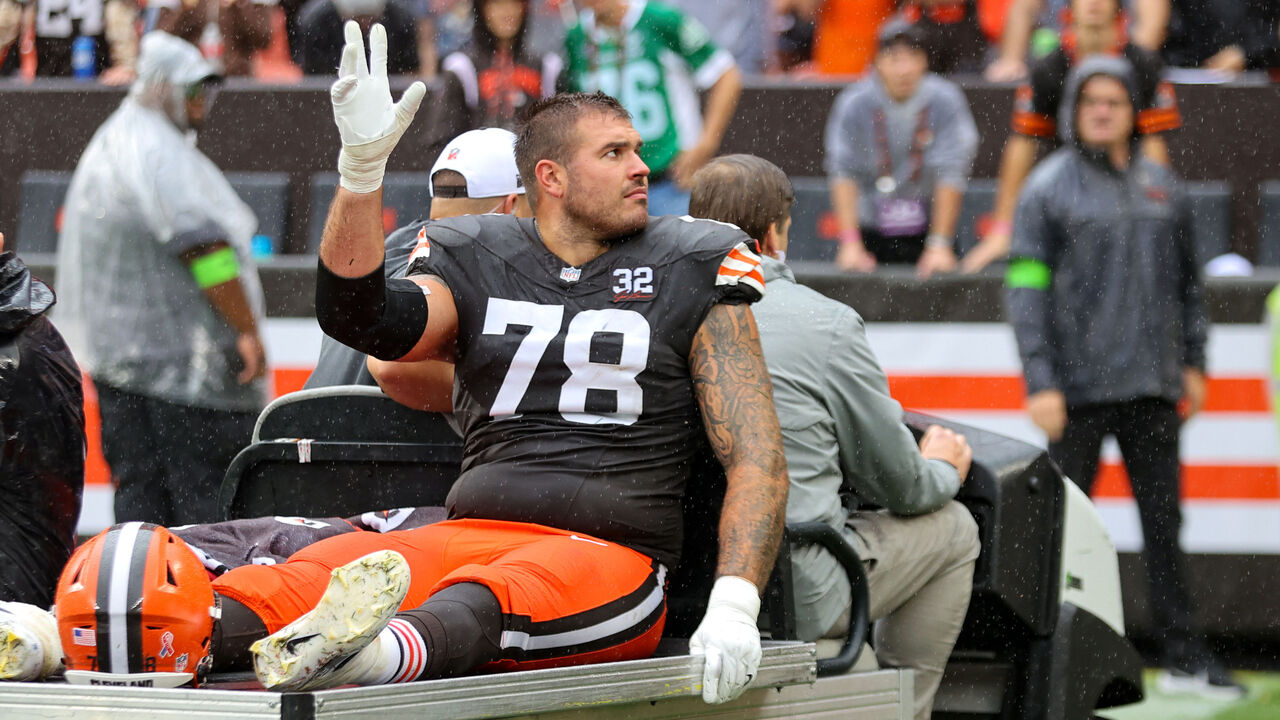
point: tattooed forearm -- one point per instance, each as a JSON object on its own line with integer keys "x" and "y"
{"x": 736, "y": 397}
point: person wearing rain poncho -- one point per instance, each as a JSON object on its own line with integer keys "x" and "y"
{"x": 160, "y": 300}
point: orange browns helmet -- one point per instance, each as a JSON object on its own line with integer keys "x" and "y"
{"x": 135, "y": 607}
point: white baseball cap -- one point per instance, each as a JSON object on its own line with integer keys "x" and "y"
{"x": 486, "y": 158}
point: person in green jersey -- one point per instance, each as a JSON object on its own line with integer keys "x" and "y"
{"x": 654, "y": 59}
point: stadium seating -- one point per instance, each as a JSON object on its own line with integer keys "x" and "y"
{"x": 1210, "y": 218}
{"x": 812, "y": 235}
{"x": 813, "y": 230}
{"x": 267, "y": 194}
{"x": 406, "y": 196}
{"x": 40, "y": 196}
{"x": 1269, "y": 225}
{"x": 43, "y": 192}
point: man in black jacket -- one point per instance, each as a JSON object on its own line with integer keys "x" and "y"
{"x": 42, "y": 436}
{"x": 1107, "y": 305}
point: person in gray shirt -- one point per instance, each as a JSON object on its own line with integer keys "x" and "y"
{"x": 846, "y": 446}
{"x": 899, "y": 146}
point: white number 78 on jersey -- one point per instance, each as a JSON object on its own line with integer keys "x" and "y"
{"x": 544, "y": 322}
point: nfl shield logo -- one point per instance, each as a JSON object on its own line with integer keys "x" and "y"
{"x": 570, "y": 274}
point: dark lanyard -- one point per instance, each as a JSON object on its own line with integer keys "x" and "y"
{"x": 915, "y": 155}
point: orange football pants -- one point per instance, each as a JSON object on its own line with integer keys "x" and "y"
{"x": 566, "y": 598}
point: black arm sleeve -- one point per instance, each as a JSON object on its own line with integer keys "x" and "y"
{"x": 379, "y": 317}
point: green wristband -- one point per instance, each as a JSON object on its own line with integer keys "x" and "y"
{"x": 1027, "y": 273}
{"x": 215, "y": 268}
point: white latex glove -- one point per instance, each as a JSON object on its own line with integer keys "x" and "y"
{"x": 729, "y": 639}
{"x": 369, "y": 124}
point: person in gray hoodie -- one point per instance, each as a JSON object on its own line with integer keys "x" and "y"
{"x": 846, "y": 445}
{"x": 1106, "y": 301}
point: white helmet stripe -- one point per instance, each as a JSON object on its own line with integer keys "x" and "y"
{"x": 118, "y": 596}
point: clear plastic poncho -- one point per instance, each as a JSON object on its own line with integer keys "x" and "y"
{"x": 141, "y": 194}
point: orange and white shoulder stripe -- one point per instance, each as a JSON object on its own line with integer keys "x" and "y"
{"x": 741, "y": 266}
{"x": 422, "y": 250}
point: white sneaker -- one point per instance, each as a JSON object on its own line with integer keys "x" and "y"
{"x": 322, "y": 648}
{"x": 1207, "y": 684}
{"x": 29, "y": 644}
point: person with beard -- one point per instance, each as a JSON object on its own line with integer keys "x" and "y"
{"x": 491, "y": 81}
{"x": 592, "y": 347}
{"x": 596, "y": 353}
{"x": 159, "y": 297}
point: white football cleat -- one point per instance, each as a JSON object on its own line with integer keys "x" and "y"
{"x": 322, "y": 648}
{"x": 29, "y": 644}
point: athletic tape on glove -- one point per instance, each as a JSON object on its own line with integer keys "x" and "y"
{"x": 368, "y": 123}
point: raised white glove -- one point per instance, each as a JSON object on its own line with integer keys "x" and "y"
{"x": 370, "y": 126}
{"x": 729, "y": 639}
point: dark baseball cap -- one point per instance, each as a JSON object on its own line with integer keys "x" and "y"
{"x": 898, "y": 30}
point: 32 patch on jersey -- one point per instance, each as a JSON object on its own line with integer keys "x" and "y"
{"x": 630, "y": 284}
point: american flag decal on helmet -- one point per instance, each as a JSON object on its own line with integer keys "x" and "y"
{"x": 84, "y": 636}
{"x": 741, "y": 266}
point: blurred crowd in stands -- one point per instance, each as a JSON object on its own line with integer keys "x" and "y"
{"x": 900, "y": 140}
{"x": 281, "y": 39}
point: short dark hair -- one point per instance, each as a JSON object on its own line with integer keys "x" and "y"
{"x": 547, "y": 131}
{"x": 898, "y": 31}
{"x": 745, "y": 190}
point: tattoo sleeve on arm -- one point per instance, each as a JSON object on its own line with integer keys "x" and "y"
{"x": 736, "y": 397}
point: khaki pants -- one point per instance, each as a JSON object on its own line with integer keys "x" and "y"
{"x": 919, "y": 574}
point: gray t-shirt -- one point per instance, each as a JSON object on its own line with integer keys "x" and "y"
{"x": 931, "y": 141}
